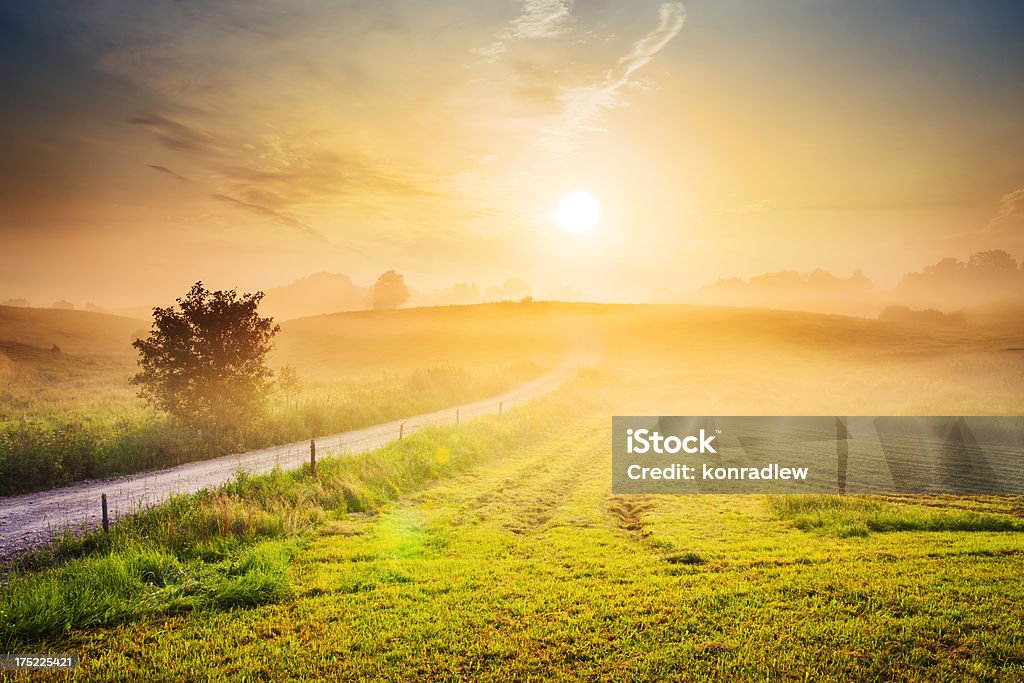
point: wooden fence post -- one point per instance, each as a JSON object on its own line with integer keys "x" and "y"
{"x": 501, "y": 404}
{"x": 312, "y": 456}
{"x": 456, "y": 416}
{"x": 842, "y": 451}
{"x": 106, "y": 519}
{"x": 401, "y": 431}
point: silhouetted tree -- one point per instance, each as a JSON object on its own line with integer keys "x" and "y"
{"x": 390, "y": 291}
{"x": 995, "y": 261}
{"x": 204, "y": 362}
{"x": 64, "y": 304}
{"x": 22, "y": 303}
{"x": 987, "y": 277}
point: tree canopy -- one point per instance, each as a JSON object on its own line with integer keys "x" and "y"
{"x": 390, "y": 291}
{"x": 204, "y": 361}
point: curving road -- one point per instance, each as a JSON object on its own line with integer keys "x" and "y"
{"x": 32, "y": 520}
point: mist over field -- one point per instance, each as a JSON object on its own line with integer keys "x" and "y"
{"x": 314, "y": 319}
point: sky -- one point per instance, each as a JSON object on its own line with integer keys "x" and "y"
{"x": 248, "y": 143}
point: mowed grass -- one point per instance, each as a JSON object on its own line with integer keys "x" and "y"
{"x": 525, "y": 567}
{"x": 228, "y": 547}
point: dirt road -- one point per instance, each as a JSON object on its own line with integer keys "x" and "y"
{"x": 33, "y": 519}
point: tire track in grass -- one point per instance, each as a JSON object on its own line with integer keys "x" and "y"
{"x": 628, "y": 512}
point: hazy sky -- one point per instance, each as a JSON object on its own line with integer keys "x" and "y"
{"x": 149, "y": 144}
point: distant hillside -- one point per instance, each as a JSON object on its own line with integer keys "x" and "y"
{"x": 79, "y": 332}
{"x": 315, "y": 295}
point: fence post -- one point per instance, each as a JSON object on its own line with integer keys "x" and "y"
{"x": 842, "y": 451}
{"x": 456, "y": 416}
{"x": 106, "y": 519}
{"x": 312, "y": 456}
{"x": 401, "y": 431}
{"x": 501, "y": 404}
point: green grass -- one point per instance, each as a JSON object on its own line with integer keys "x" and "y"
{"x": 511, "y": 561}
{"x": 70, "y": 414}
{"x": 229, "y": 547}
{"x": 855, "y": 516}
{"x": 495, "y": 551}
{"x": 57, "y": 447}
{"x": 130, "y": 583}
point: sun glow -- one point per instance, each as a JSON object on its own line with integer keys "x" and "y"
{"x": 578, "y": 212}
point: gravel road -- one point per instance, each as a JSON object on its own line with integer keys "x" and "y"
{"x": 32, "y": 520}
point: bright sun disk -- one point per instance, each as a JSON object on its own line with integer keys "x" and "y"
{"x": 578, "y": 212}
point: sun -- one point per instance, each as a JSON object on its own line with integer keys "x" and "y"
{"x": 578, "y": 212}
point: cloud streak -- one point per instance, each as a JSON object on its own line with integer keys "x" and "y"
{"x": 174, "y": 135}
{"x": 279, "y": 218}
{"x": 1011, "y": 207}
{"x": 539, "y": 19}
{"x": 167, "y": 171}
{"x": 584, "y": 105}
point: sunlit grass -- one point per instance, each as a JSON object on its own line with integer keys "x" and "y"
{"x": 856, "y": 516}
{"x": 54, "y": 448}
{"x": 229, "y": 547}
{"x": 494, "y": 551}
{"x": 522, "y": 565}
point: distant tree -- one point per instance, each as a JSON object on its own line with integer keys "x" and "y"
{"x": 64, "y": 304}
{"x": 996, "y": 261}
{"x": 928, "y": 316}
{"x": 55, "y": 349}
{"x": 204, "y": 361}
{"x": 288, "y": 382}
{"x": 513, "y": 289}
{"x": 390, "y": 291}
{"x": 21, "y": 303}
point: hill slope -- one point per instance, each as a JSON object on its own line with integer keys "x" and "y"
{"x": 78, "y": 332}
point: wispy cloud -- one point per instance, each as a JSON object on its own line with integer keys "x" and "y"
{"x": 583, "y": 106}
{"x": 1011, "y": 207}
{"x": 270, "y": 176}
{"x": 538, "y": 19}
{"x": 173, "y": 134}
{"x": 541, "y": 19}
{"x": 273, "y": 215}
{"x": 167, "y": 171}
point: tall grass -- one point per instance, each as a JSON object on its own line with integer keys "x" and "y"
{"x": 136, "y": 581}
{"x": 54, "y": 448}
{"x": 229, "y": 547}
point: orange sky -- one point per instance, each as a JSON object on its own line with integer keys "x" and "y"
{"x": 149, "y": 145}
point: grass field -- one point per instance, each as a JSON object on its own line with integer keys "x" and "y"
{"x": 495, "y": 551}
{"x": 524, "y": 566}
{"x": 70, "y": 414}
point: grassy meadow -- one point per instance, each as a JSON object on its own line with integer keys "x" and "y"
{"x": 495, "y": 550}
{"x": 68, "y": 413}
